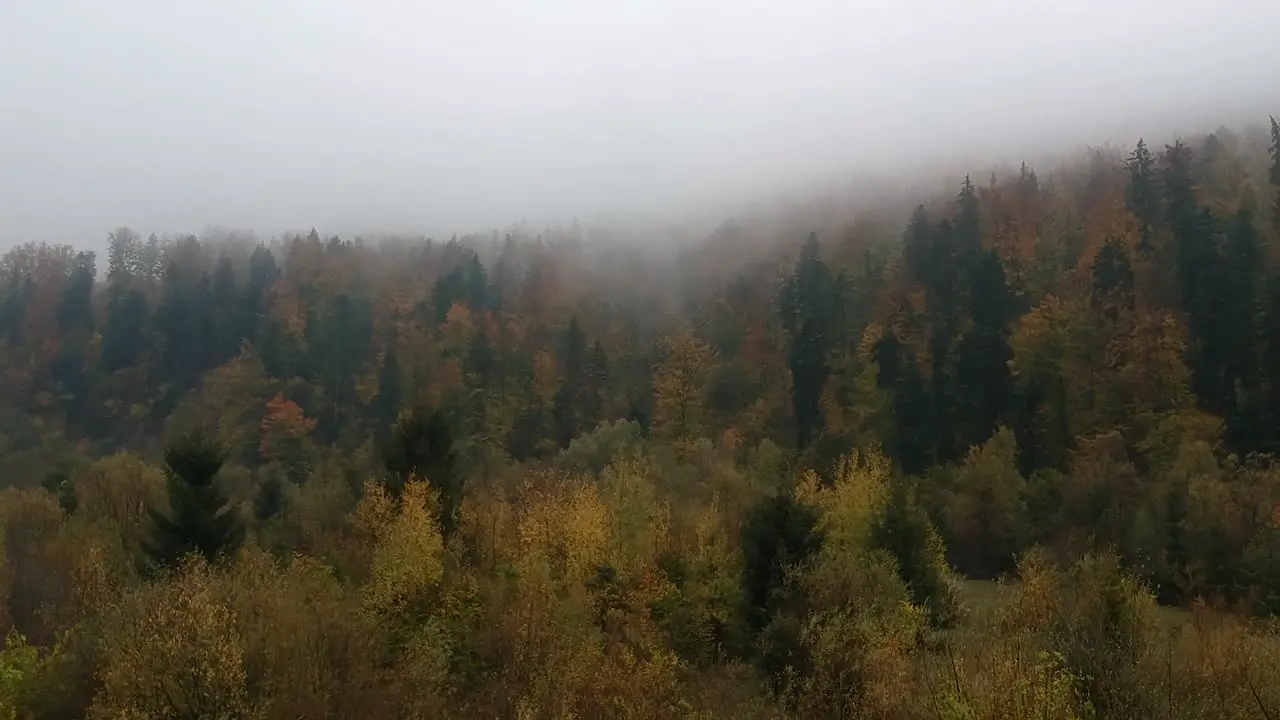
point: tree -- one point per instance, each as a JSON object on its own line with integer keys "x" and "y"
{"x": 1112, "y": 279}
{"x": 568, "y": 405}
{"x": 284, "y": 437}
{"x": 779, "y": 533}
{"x": 904, "y": 531}
{"x": 422, "y": 447}
{"x": 200, "y": 518}
{"x": 911, "y": 424}
{"x": 982, "y": 373}
{"x": 387, "y": 402}
{"x": 679, "y": 384}
{"x": 809, "y": 305}
{"x": 262, "y": 273}
{"x": 596, "y": 399}
{"x": 1142, "y": 195}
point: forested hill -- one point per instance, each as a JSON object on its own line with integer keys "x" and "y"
{"x": 1081, "y": 359}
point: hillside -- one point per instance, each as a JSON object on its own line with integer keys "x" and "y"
{"x": 759, "y": 474}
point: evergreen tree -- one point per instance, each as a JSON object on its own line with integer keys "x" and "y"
{"x": 1275, "y": 179}
{"x": 184, "y": 321}
{"x": 808, "y": 316}
{"x": 422, "y": 447}
{"x": 269, "y": 500}
{"x": 985, "y": 382}
{"x": 596, "y": 401}
{"x": 448, "y": 290}
{"x": 1112, "y": 279}
{"x": 200, "y": 518}
{"x": 1271, "y": 310}
{"x": 75, "y": 306}
{"x": 340, "y": 344}
{"x": 910, "y": 426}
{"x": 1238, "y": 329}
{"x": 920, "y": 250}
{"x": 1142, "y": 195}
{"x": 967, "y": 237}
{"x": 477, "y": 287}
{"x": 262, "y": 274}
{"x": 778, "y": 533}
{"x": 570, "y": 399}
{"x": 904, "y": 531}
{"x": 124, "y": 332}
{"x": 528, "y": 431}
{"x": 387, "y": 403}
{"x": 76, "y": 324}
{"x": 227, "y": 322}
{"x": 1202, "y": 282}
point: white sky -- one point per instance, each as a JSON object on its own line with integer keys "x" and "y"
{"x": 462, "y": 115}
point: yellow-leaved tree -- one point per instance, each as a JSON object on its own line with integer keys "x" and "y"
{"x": 679, "y": 383}
{"x": 172, "y": 649}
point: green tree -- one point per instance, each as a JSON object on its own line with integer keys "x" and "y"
{"x": 422, "y": 447}
{"x": 779, "y": 533}
{"x": 1142, "y": 195}
{"x": 200, "y": 518}
{"x": 904, "y": 531}
{"x": 808, "y": 306}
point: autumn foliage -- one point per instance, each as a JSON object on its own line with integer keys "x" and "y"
{"x": 1008, "y": 454}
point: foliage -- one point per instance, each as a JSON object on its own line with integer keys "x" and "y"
{"x": 202, "y": 520}
{"x": 767, "y": 473}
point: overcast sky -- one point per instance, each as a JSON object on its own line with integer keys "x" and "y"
{"x": 170, "y": 115}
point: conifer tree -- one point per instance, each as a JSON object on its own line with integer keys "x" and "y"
{"x": 808, "y": 306}
{"x": 1142, "y": 194}
{"x": 779, "y": 533}
{"x": 422, "y": 446}
{"x": 200, "y": 518}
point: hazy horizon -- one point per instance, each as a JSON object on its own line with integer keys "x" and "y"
{"x": 449, "y": 117}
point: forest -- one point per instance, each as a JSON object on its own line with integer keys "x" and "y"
{"x": 1009, "y": 453}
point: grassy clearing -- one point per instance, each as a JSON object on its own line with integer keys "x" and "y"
{"x": 985, "y": 598}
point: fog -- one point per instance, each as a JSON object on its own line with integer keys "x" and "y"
{"x": 446, "y": 116}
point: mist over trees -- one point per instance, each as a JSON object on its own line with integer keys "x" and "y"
{"x": 770, "y": 472}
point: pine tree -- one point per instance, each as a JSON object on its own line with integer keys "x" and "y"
{"x": 200, "y": 518}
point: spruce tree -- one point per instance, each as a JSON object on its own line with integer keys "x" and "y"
{"x": 1142, "y": 195}
{"x": 597, "y": 387}
{"x": 780, "y": 532}
{"x": 1275, "y": 178}
{"x": 200, "y": 518}
{"x": 570, "y": 399}
{"x": 421, "y": 447}
{"x": 808, "y": 306}
{"x": 904, "y": 531}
